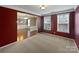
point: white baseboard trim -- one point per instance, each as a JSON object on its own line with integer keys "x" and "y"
{"x": 8, "y": 45}
{"x": 76, "y": 46}
{"x": 30, "y": 37}
{"x": 12, "y": 43}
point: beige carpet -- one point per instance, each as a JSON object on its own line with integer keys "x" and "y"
{"x": 42, "y": 43}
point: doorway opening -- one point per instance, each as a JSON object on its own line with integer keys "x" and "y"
{"x": 26, "y": 26}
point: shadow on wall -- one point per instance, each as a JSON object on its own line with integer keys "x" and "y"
{"x": 77, "y": 26}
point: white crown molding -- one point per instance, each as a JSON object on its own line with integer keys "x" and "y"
{"x": 19, "y": 9}
{"x": 63, "y": 11}
{"x": 40, "y": 14}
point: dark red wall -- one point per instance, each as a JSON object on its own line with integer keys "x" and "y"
{"x": 8, "y": 26}
{"x": 54, "y": 26}
{"x": 72, "y": 24}
{"x": 77, "y": 26}
{"x": 40, "y": 24}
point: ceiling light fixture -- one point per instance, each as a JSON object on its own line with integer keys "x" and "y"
{"x": 43, "y": 7}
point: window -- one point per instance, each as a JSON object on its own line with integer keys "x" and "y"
{"x": 47, "y": 23}
{"x": 63, "y": 23}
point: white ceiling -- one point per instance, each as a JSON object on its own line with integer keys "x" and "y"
{"x": 35, "y": 9}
